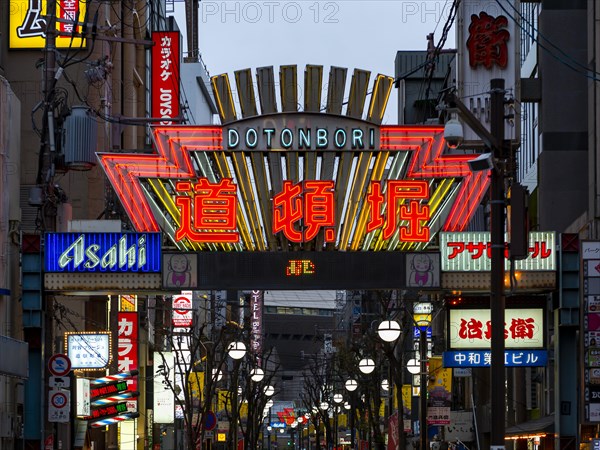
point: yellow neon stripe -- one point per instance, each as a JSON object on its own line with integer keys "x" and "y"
{"x": 387, "y": 96}
{"x": 167, "y": 200}
{"x": 374, "y": 96}
{"x": 357, "y": 188}
{"x": 249, "y": 200}
{"x": 377, "y": 173}
{"x": 213, "y": 81}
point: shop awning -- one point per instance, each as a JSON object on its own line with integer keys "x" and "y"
{"x": 540, "y": 426}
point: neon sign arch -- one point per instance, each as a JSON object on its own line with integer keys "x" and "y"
{"x": 298, "y": 180}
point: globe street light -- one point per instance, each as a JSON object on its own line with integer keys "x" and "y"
{"x": 351, "y": 385}
{"x": 389, "y": 330}
{"x": 385, "y": 385}
{"x": 324, "y": 406}
{"x": 236, "y": 350}
{"x": 413, "y": 366}
{"x": 338, "y": 398}
{"x": 366, "y": 365}
{"x": 257, "y": 374}
{"x": 269, "y": 391}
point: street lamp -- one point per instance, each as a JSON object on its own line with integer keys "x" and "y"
{"x": 494, "y": 141}
{"x": 351, "y": 385}
{"x": 257, "y": 374}
{"x": 366, "y": 365}
{"x": 269, "y": 391}
{"x": 389, "y": 330}
{"x": 236, "y": 350}
{"x": 338, "y": 398}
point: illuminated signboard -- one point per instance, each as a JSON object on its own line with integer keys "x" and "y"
{"x": 471, "y": 328}
{"x": 297, "y": 180}
{"x": 470, "y": 252}
{"x": 103, "y": 252}
{"x": 27, "y": 23}
{"x": 298, "y": 270}
{"x": 88, "y": 350}
{"x": 108, "y": 389}
{"x": 165, "y": 75}
{"x": 482, "y": 358}
{"x": 107, "y": 411}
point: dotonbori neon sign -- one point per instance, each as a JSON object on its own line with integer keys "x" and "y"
{"x": 302, "y": 138}
{"x": 301, "y": 178}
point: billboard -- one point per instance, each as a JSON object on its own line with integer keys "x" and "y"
{"x": 28, "y": 23}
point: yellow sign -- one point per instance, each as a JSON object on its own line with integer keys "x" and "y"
{"x": 27, "y": 23}
{"x": 221, "y": 437}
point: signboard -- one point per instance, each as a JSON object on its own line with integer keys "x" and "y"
{"x": 471, "y": 328}
{"x": 301, "y": 270}
{"x": 28, "y": 21}
{"x": 127, "y": 333}
{"x": 59, "y": 365}
{"x": 423, "y": 270}
{"x": 183, "y": 313}
{"x": 106, "y": 390}
{"x": 88, "y": 350}
{"x": 165, "y": 75}
{"x": 488, "y": 43}
{"x": 83, "y": 402}
{"x": 471, "y": 252}
{"x": 59, "y": 406}
{"x": 361, "y": 210}
{"x": 103, "y": 252}
{"x": 164, "y": 399}
{"x": 438, "y": 415}
{"x": 483, "y": 358}
{"x": 256, "y": 322}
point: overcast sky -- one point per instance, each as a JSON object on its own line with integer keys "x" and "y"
{"x": 350, "y": 33}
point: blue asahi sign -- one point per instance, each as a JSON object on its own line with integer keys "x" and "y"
{"x": 103, "y": 252}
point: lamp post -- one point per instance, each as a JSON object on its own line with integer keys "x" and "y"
{"x": 423, "y": 389}
{"x": 351, "y": 385}
{"x": 236, "y": 350}
{"x": 494, "y": 141}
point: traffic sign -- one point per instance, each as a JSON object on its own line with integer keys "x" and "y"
{"x": 59, "y": 365}
{"x": 59, "y": 406}
{"x": 59, "y": 382}
{"x": 210, "y": 421}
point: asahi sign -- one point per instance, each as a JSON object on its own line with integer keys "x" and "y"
{"x": 103, "y": 252}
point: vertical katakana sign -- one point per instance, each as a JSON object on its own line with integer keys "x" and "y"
{"x": 590, "y": 266}
{"x": 127, "y": 335}
{"x": 165, "y": 75}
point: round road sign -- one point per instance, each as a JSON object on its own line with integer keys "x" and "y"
{"x": 59, "y": 365}
{"x": 210, "y": 422}
{"x": 58, "y": 400}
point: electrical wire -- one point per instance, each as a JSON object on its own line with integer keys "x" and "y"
{"x": 592, "y": 75}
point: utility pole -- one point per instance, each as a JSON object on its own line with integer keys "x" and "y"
{"x": 423, "y": 390}
{"x": 497, "y": 299}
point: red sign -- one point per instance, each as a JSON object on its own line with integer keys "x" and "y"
{"x": 182, "y": 310}
{"x": 59, "y": 365}
{"x": 127, "y": 333}
{"x": 487, "y": 41}
{"x": 310, "y": 203}
{"x": 165, "y": 75}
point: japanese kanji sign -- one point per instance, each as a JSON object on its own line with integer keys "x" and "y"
{"x": 165, "y": 75}
{"x": 487, "y": 40}
{"x": 468, "y": 252}
{"x": 471, "y": 328}
{"x": 28, "y": 22}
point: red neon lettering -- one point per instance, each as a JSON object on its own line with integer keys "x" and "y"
{"x": 214, "y": 210}
{"x": 310, "y": 201}
{"x": 287, "y": 210}
{"x": 477, "y": 249}
{"x": 414, "y": 213}
{"x": 318, "y": 209}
